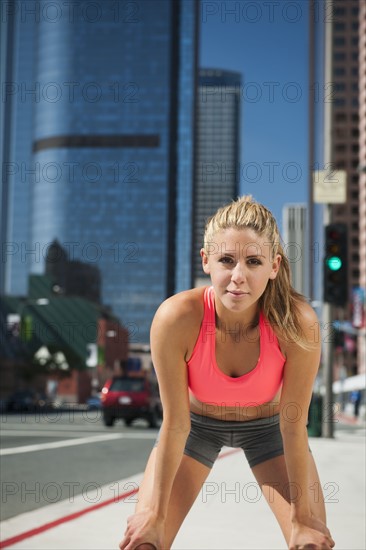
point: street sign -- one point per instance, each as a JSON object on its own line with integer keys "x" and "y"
{"x": 358, "y": 307}
{"x": 92, "y": 355}
{"x": 329, "y": 186}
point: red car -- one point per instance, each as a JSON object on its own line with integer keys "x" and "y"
{"x": 130, "y": 397}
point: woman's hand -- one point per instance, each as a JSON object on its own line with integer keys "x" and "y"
{"x": 311, "y": 533}
{"x": 145, "y": 530}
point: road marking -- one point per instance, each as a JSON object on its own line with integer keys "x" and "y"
{"x": 63, "y": 433}
{"x": 45, "y": 527}
{"x": 71, "y": 442}
{"x": 64, "y": 519}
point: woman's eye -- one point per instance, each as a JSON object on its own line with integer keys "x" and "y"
{"x": 225, "y": 260}
{"x": 254, "y": 261}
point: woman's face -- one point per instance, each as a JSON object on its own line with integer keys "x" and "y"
{"x": 240, "y": 265}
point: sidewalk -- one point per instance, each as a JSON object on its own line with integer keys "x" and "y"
{"x": 229, "y": 513}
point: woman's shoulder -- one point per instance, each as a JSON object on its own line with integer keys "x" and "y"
{"x": 182, "y": 309}
{"x": 305, "y": 314}
{"x": 308, "y": 328}
{"x": 177, "y": 323}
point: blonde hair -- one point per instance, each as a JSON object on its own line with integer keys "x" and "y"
{"x": 279, "y": 302}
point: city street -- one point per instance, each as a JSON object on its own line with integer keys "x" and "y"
{"x": 69, "y": 482}
{"x": 50, "y": 471}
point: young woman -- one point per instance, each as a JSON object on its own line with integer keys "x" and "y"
{"x": 236, "y": 363}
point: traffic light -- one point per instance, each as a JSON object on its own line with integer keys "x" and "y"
{"x": 335, "y": 264}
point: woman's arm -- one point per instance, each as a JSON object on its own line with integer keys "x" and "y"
{"x": 300, "y": 371}
{"x": 169, "y": 336}
{"x": 168, "y": 347}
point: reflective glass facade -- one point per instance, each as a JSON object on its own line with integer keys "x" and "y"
{"x": 19, "y": 96}
{"x": 113, "y": 139}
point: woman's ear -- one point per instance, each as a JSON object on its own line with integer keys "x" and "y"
{"x": 204, "y": 257}
{"x": 275, "y": 266}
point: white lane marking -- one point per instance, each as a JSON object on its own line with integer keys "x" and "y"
{"x": 71, "y": 442}
{"x": 40, "y": 433}
{"x": 63, "y": 433}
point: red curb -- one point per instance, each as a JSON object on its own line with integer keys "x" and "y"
{"x": 37, "y": 530}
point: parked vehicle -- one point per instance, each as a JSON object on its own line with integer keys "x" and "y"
{"x": 94, "y": 402}
{"x": 130, "y": 397}
{"x": 27, "y": 401}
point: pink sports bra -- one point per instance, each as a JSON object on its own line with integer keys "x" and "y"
{"x": 210, "y": 385}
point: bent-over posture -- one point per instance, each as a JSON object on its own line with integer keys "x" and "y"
{"x": 236, "y": 363}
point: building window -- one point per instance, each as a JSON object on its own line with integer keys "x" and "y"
{"x": 339, "y": 26}
{"x": 340, "y": 117}
{"x": 339, "y": 41}
{"x": 339, "y": 56}
{"x": 340, "y": 87}
{"x": 339, "y": 102}
{"x": 340, "y": 148}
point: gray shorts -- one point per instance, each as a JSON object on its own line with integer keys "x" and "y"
{"x": 260, "y": 439}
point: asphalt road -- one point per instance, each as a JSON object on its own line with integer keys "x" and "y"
{"x": 49, "y": 457}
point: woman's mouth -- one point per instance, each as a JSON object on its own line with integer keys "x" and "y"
{"x": 237, "y": 293}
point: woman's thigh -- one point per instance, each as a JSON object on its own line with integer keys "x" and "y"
{"x": 272, "y": 477}
{"x": 187, "y": 484}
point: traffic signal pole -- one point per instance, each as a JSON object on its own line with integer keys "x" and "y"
{"x": 328, "y": 347}
{"x": 328, "y": 355}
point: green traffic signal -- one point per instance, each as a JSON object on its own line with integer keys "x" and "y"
{"x": 335, "y": 284}
{"x": 334, "y": 263}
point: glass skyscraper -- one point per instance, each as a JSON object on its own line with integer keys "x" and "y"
{"x": 113, "y": 140}
{"x": 217, "y": 161}
{"x": 18, "y": 98}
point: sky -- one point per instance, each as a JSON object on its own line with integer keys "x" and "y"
{"x": 267, "y": 42}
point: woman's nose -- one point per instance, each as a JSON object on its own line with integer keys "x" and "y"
{"x": 238, "y": 275}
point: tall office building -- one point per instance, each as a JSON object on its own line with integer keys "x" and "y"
{"x": 334, "y": 132}
{"x": 295, "y": 237}
{"x": 217, "y": 163}
{"x": 361, "y": 343}
{"x": 112, "y": 143}
{"x": 18, "y": 98}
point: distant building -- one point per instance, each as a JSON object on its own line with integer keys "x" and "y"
{"x": 108, "y": 146}
{"x": 336, "y": 91}
{"x": 361, "y": 342}
{"x": 47, "y": 323}
{"x": 18, "y": 171}
{"x": 296, "y": 243}
{"x": 217, "y": 163}
{"x": 72, "y": 277}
